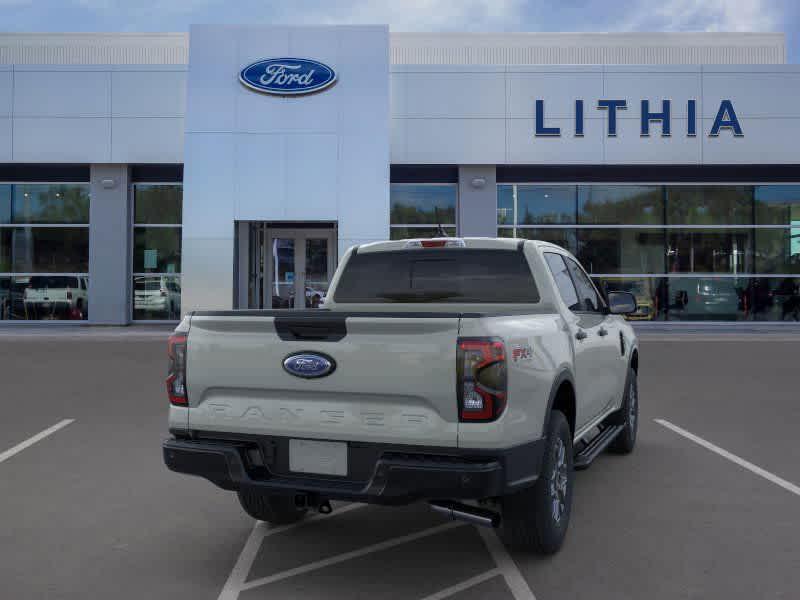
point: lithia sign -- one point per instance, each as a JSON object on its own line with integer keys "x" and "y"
{"x": 726, "y": 119}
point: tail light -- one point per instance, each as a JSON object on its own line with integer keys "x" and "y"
{"x": 481, "y": 368}
{"x": 436, "y": 243}
{"x": 176, "y": 375}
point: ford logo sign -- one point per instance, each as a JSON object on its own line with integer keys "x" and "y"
{"x": 309, "y": 365}
{"x": 287, "y": 76}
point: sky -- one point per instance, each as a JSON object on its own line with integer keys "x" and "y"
{"x": 413, "y": 15}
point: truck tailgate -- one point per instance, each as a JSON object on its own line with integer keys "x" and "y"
{"x": 394, "y": 381}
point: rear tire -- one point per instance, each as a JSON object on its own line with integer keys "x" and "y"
{"x": 628, "y": 418}
{"x": 536, "y": 519}
{"x": 274, "y": 509}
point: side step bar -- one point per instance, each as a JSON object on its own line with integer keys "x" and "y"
{"x": 597, "y": 444}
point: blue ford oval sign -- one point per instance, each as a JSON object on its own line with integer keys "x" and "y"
{"x": 309, "y": 365}
{"x": 287, "y": 76}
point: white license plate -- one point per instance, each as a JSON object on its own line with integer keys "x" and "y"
{"x": 323, "y": 458}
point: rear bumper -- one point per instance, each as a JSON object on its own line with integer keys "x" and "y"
{"x": 395, "y": 477}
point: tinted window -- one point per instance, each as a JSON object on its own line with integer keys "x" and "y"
{"x": 709, "y": 205}
{"x": 563, "y": 281}
{"x": 160, "y": 204}
{"x": 39, "y": 282}
{"x": 423, "y": 204}
{"x": 44, "y": 249}
{"x": 438, "y": 275}
{"x": 612, "y": 204}
{"x": 45, "y": 203}
{"x": 776, "y": 204}
{"x": 588, "y": 298}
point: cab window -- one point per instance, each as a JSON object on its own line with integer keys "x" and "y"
{"x": 588, "y": 298}
{"x": 566, "y": 288}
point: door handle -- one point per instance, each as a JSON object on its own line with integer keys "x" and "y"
{"x": 581, "y": 334}
{"x": 603, "y": 331}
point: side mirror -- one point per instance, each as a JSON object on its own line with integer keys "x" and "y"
{"x": 621, "y": 303}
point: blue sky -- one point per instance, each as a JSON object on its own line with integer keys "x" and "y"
{"x": 414, "y": 15}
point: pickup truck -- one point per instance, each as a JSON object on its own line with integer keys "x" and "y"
{"x": 471, "y": 373}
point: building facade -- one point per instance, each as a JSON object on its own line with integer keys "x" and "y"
{"x": 146, "y": 175}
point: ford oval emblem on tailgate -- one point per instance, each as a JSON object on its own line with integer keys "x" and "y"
{"x": 309, "y": 365}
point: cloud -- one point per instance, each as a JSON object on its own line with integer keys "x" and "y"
{"x": 705, "y": 15}
{"x": 415, "y": 15}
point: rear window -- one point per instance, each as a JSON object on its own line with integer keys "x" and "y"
{"x": 57, "y": 281}
{"x": 457, "y": 275}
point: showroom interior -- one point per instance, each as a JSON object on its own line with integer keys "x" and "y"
{"x": 136, "y": 193}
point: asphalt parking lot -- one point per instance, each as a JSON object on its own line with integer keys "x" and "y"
{"x": 89, "y": 510}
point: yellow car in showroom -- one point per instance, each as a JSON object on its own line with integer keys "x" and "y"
{"x": 643, "y": 291}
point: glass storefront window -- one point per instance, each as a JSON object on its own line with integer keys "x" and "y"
{"x": 44, "y": 204}
{"x": 157, "y": 213}
{"x": 651, "y": 295}
{"x": 423, "y": 204}
{"x": 545, "y": 205}
{"x": 44, "y": 251}
{"x": 710, "y": 251}
{"x": 778, "y": 250}
{"x": 621, "y": 250}
{"x": 776, "y": 299}
{"x": 5, "y": 203}
{"x": 156, "y": 297}
{"x": 44, "y": 297}
{"x": 778, "y": 205}
{"x": 535, "y": 204}
{"x": 405, "y": 233}
{"x": 158, "y": 204}
{"x": 560, "y": 237}
{"x": 618, "y": 204}
{"x": 709, "y": 205}
{"x": 723, "y": 252}
{"x": 708, "y": 299}
{"x": 157, "y": 250}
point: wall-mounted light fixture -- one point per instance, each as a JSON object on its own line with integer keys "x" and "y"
{"x": 478, "y": 182}
{"x": 109, "y": 183}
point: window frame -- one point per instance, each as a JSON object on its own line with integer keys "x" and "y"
{"x": 664, "y": 227}
{"x": 555, "y": 281}
{"x": 132, "y": 226}
{"x": 601, "y": 304}
{"x": 82, "y": 276}
{"x": 755, "y": 270}
{"x": 454, "y": 226}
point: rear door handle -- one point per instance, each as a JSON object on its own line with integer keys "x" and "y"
{"x": 581, "y": 334}
{"x": 603, "y": 331}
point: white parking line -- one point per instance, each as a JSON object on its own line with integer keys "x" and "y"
{"x": 506, "y": 565}
{"x": 464, "y": 585}
{"x": 327, "y": 562}
{"x": 788, "y": 486}
{"x": 32, "y": 440}
{"x": 261, "y": 530}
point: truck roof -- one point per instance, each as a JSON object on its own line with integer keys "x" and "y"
{"x": 483, "y": 243}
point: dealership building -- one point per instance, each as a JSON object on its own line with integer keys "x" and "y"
{"x": 146, "y": 175}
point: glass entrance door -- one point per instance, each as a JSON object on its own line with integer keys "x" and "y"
{"x": 298, "y": 266}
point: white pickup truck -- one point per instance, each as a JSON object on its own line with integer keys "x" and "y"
{"x": 474, "y": 374}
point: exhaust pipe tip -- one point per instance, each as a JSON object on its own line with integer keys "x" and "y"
{"x": 464, "y": 512}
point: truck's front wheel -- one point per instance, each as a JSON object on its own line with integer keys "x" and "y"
{"x": 278, "y": 510}
{"x": 628, "y": 417}
{"x": 536, "y": 519}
